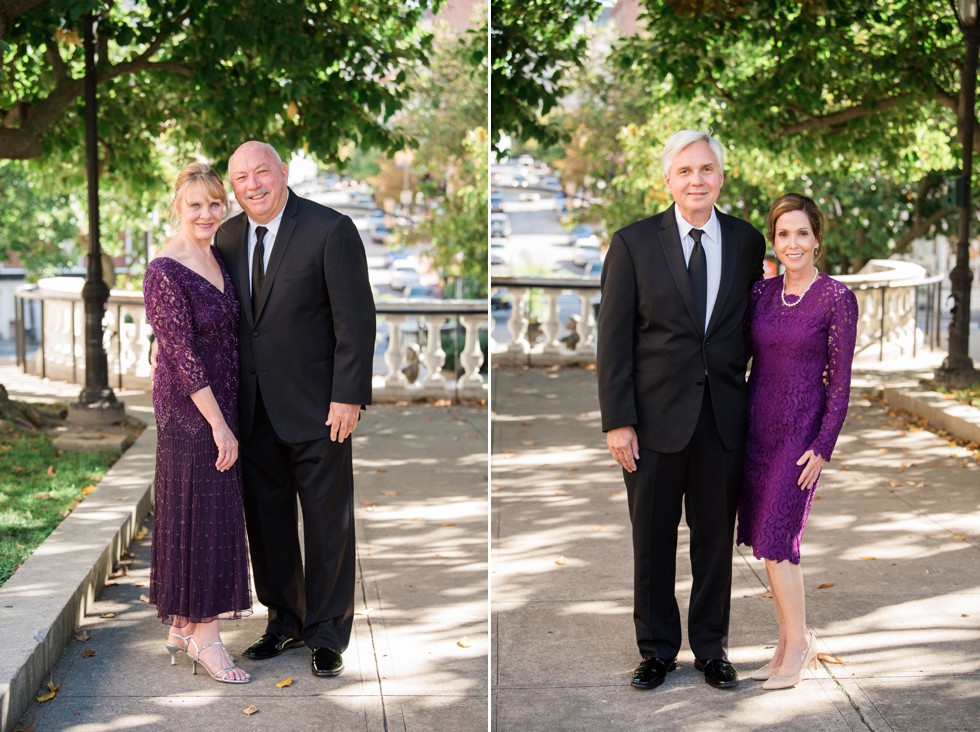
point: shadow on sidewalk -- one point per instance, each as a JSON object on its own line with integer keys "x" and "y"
{"x": 893, "y": 535}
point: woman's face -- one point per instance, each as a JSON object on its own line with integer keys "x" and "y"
{"x": 795, "y": 242}
{"x": 199, "y": 213}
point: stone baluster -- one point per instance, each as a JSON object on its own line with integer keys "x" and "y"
{"x": 586, "y": 323}
{"x": 471, "y": 356}
{"x": 517, "y": 324}
{"x": 434, "y": 357}
{"x": 551, "y": 326}
{"x": 395, "y": 352}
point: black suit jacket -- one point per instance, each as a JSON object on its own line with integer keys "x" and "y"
{"x": 313, "y": 339}
{"x": 652, "y": 353}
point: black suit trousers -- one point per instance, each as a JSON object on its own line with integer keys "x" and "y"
{"x": 316, "y": 605}
{"x": 704, "y": 478}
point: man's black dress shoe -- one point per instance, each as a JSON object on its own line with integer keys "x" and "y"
{"x": 718, "y": 672}
{"x": 651, "y": 672}
{"x": 327, "y": 662}
{"x": 271, "y": 645}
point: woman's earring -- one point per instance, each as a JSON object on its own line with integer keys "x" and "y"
{"x": 816, "y": 252}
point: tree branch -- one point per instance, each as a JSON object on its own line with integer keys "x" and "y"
{"x": 921, "y": 228}
{"x": 845, "y": 115}
{"x": 10, "y": 9}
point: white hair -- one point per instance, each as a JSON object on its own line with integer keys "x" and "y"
{"x": 679, "y": 140}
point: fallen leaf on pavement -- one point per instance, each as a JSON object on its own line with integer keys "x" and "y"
{"x": 960, "y": 537}
{"x": 828, "y": 658}
{"x": 598, "y": 528}
{"x": 571, "y": 469}
{"x": 250, "y": 710}
{"x": 825, "y": 585}
{"x": 449, "y": 524}
{"x": 868, "y": 558}
{"x": 141, "y": 534}
{"x": 107, "y": 616}
{"x": 464, "y": 642}
{"x": 144, "y": 598}
{"x": 561, "y": 561}
{"x": 285, "y": 682}
{"x": 527, "y": 443}
{"x": 89, "y": 653}
{"x": 767, "y": 593}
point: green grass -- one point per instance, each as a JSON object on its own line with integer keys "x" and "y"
{"x": 967, "y": 396}
{"x": 39, "y": 486}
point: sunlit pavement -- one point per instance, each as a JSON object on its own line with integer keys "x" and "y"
{"x": 893, "y": 540}
{"x": 418, "y": 656}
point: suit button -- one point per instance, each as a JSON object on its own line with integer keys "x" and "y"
{"x": 255, "y": 334}
{"x": 700, "y": 382}
{"x": 252, "y": 372}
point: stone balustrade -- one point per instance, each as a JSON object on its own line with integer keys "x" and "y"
{"x": 410, "y": 357}
{"x": 898, "y": 305}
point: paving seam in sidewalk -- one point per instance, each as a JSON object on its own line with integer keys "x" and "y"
{"x": 374, "y": 645}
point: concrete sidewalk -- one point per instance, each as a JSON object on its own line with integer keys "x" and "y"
{"x": 421, "y": 517}
{"x": 894, "y": 537}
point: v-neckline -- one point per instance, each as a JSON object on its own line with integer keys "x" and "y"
{"x": 223, "y": 283}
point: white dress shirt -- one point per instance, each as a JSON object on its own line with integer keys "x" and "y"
{"x": 711, "y": 243}
{"x": 268, "y": 241}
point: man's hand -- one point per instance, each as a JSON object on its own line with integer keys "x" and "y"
{"x": 624, "y": 447}
{"x": 342, "y": 419}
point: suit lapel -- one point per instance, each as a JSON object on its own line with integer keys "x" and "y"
{"x": 729, "y": 255}
{"x": 670, "y": 242}
{"x": 239, "y": 235}
{"x": 283, "y": 236}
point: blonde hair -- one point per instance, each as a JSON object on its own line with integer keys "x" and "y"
{"x": 203, "y": 174}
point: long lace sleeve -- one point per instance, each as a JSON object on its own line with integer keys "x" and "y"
{"x": 169, "y": 312}
{"x": 841, "y": 337}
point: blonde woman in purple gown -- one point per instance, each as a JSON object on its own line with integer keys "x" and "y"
{"x": 797, "y": 326}
{"x": 199, "y": 557}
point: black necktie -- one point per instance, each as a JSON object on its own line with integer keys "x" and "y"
{"x": 697, "y": 268}
{"x": 258, "y": 268}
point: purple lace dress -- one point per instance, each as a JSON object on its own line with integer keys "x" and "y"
{"x": 199, "y": 558}
{"x": 790, "y": 409}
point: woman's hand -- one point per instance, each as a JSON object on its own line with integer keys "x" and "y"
{"x": 227, "y": 445}
{"x": 813, "y": 464}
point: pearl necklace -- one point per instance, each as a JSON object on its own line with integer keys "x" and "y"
{"x": 782, "y": 292}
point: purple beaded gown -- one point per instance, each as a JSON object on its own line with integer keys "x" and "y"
{"x": 790, "y": 408}
{"x": 199, "y": 556}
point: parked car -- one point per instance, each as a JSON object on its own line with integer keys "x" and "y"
{"x": 422, "y": 292}
{"x": 594, "y": 269}
{"x": 404, "y": 274}
{"x": 498, "y": 251}
{"x": 496, "y": 200}
{"x": 499, "y": 224}
{"x": 585, "y": 255}
{"x": 380, "y": 233}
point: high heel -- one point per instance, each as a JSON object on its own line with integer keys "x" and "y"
{"x": 764, "y": 673}
{"x": 786, "y": 682}
{"x": 174, "y": 648}
{"x": 216, "y": 675}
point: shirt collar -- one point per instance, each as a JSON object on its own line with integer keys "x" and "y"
{"x": 711, "y": 227}
{"x": 272, "y": 226}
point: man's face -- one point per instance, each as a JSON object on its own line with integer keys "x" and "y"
{"x": 259, "y": 181}
{"x": 694, "y": 181}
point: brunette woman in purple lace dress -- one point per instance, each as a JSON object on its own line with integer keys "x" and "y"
{"x": 797, "y": 326}
{"x": 199, "y": 560}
